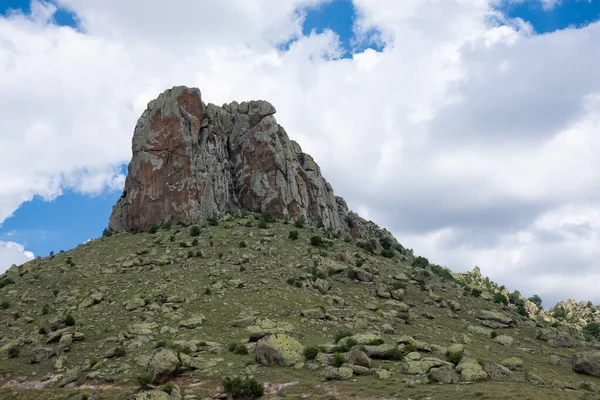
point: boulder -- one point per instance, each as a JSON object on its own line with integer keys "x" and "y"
{"x": 587, "y": 363}
{"x": 193, "y": 322}
{"x": 423, "y": 365}
{"x": 495, "y": 319}
{"x": 513, "y": 363}
{"x": 337, "y": 374}
{"x": 471, "y": 370}
{"x": 445, "y": 374}
{"x": 496, "y": 372}
{"x": 278, "y": 349}
{"x": 358, "y": 357}
{"x": 163, "y": 365}
{"x": 505, "y": 340}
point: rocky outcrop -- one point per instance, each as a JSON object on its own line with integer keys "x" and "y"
{"x": 193, "y": 161}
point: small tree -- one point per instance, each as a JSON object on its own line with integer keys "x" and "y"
{"x": 293, "y": 235}
{"x": 420, "y": 262}
{"x": 537, "y": 300}
{"x": 592, "y": 329}
{"x": 246, "y": 388}
{"x": 316, "y": 241}
{"x": 195, "y": 231}
{"x": 499, "y": 298}
{"x": 69, "y": 320}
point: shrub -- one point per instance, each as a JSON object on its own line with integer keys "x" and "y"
{"x": 339, "y": 335}
{"x": 475, "y": 292}
{"x": 212, "y": 221}
{"x": 168, "y": 388}
{"x": 154, "y": 229}
{"x": 190, "y": 254}
{"x": 106, "y": 233}
{"x": 237, "y": 348}
{"x": 387, "y": 253}
{"x": 515, "y": 297}
{"x": 195, "y": 242}
{"x": 291, "y": 281}
{"x": 267, "y": 217}
{"x": 499, "y": 298}
{"x": 144, "y": 380}
{"x": 592, "y": 329}
{"x": 338, "y": 360}
{"x": 395, "y": 354}
{"x": 119, "y": 351}
{"x": 375, "y": 342}
{"x": 299, "y": 223}
{"x": 42, "y": 331}
{"x": 369, "y": 245}
{"x": 220, "y": 255}
{"x": 359, "y": 262}
{"x": 246, "y": 388}
{"x": 263, "y": 224}
{"x": 521, "y": 310}
{"x": 351, "y": 274}
{"x": 45, "y": 309}
{"x": 454, "y": 358}
{"x": 293, "y": 235}
{"x": 13, "y": 352}
{"x": 420, "y": 262}
{"x": 442, "y": 272}
{"x": 310, "y": 353}
{"x": 4, "y": 305}
{"x": 207, "y": 291}
{"x": 493, "y": 334}
{"x": 386, "y": 243}
{"x": 242, "y": 244}
{"x": 559, "y": 312}
{"x": 183, "y": 244}
{"x": 316, "y": 241}
{"x": 69, "y": 320}
{"x": 537, "y": 300}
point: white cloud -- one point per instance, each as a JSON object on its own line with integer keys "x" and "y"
{"x": 13, "y": 253}
{"x": 463, "y": 138}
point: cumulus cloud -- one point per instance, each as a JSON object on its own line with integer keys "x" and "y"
{"x": 13, "y": 253}
{"x": 468, "y": 135}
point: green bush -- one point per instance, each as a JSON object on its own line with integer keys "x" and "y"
{"x": 493, "y": 334}
{"x": 267, "y": 217}
{"x": 442, "y": 272}
{"x": 246, "y": 389}
{"x": 69, "y": 320}
{"x": 168, "y": 388}
{"x": 299, "y": 223}
{"x": 476, "y": 292}
{"x": 4, "y": 305}
{"x": 420, "y": 262}
{"x": 339, "y": 335}
{"x": 338, "y": 360}
{"x": 207, "y": 291}
{"x": 375, "y": 342}
{"x": 310, "y": 353}
{"x": 395, "y": 354}
{"x": 369, "y": 245}
{"x": 351, "y": 274}
{"x": 144, "y": 380}
{"x": 45, "y": 309}
{"x": 360, "y": 262}
{"x": 293, "y": 235}
{"x": 521, "y": 310}
{"x": 454, "y": 358}
{"x": 559, "y": 312}
{"x": 263, "y": 224}
{"x": 242, "y": 244}
{"x": 212, "y": 221}
{"x": 537, "y": 300}
{"x": 499, "y": 298}
{"x": 317, "y": 241}
{"x": 237, "y": 348}
{"x": 387, "y": 253}
{"x": 592, "y": 329}
{"x": 42, "y": 330}
{"x": 386, "y": 243}
{"x": 13, "y": 352}
{"x": 120, "y": 351}
{"x": 154, "y": 229}
{"x": 106, "y": 233}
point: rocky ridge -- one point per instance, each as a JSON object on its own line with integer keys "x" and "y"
{"x": 193, "y": 161}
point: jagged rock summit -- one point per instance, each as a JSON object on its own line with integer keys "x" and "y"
{"x": 193, "y": 161}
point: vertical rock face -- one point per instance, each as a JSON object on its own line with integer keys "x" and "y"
{"x": 193, "y": 161}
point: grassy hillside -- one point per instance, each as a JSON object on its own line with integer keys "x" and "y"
{"x": 89, "y": 321}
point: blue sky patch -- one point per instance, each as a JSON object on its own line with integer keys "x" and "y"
{"x": 61, "y": 224}
{"x": 62, "y": 17}
{"x": 567, "y": 13}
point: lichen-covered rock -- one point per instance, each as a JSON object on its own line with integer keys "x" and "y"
{"x": 471, "y": 371}
{"x": 496, "y": 372}
{"x": 513, "y": 363}
{"x": 163, "y": 364}
{"x": 338, "y": 374}
{"x": 278, "y": 350}
{"x": 423, "y": 365}
{"x": 193, "y": 161}
{"x": 495, "y": 319}
{"x": 587, "y": 363}
{"x": 358, "y": 357}
{"x": 445, "y": 374}
{"x": 505, "y": 340}
{"x": 152, "y": 395}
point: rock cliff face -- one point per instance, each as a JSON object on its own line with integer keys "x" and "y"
{"x": 193, "y": 161}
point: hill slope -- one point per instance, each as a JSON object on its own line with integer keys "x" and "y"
{"x": 186, "y": 304}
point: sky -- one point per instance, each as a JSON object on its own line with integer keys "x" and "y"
{"x": 468, "y": 128}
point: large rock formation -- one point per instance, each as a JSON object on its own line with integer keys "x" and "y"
{"x": 193, "y": 161}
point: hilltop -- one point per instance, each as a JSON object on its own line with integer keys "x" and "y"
{"x": 229, "y": 256}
